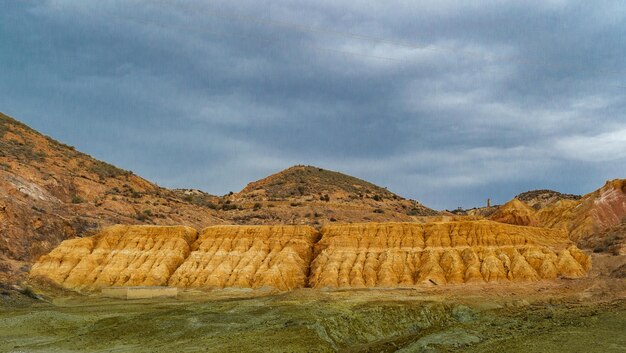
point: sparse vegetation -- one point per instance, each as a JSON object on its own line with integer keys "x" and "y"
{"x": 76, "y": 199}
{"x": 105, "y": 170}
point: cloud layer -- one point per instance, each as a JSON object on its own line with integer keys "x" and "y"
{"x": 445, "y": 103}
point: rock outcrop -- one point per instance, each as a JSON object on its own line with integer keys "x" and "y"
{"x": 515, "y": 212}
{"x": 288, "y": 257}
{"x": 409, "y": 254}
{"x": 248, "y": 257}
{"x": 118, "y": 256}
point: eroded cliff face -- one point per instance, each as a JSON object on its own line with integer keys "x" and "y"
{"x": 288, "y": 257}
{"x": 249, "y": 257}
{"x": 586, "y": 219}
{"x": 118, "y": 256}
{"x": 516, "y": 212}
{"x": 408, "y": 254}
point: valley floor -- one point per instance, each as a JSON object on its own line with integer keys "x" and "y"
{"x": 568, "y": 316}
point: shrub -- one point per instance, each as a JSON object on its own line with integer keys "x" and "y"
{"x": 257, "y": 206}
{"x": 105, "y": 170}
{"x": 77, "y": 199}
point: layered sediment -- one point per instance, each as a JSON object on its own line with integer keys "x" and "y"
{"x": 409, "y": 254}
{"x": 248, "y": 257}
{"x": 118, "y": 256}
{"x": 288, "y": 257}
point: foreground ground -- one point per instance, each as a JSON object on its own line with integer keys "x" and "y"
{"x": 587, "y": 315}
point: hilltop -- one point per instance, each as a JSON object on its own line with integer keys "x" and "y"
{"x": 541, "y": 198}
{"x": 314, "y": 196}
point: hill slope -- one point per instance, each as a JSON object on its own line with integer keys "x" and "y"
{"x": 50, "y": 192}
{"x": 314, "y": 196}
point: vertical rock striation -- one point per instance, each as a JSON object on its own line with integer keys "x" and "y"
{"x": 249, "y": 257}
{"x": 288, "y": 257}
{"x": 409, "y": 254}
{"x": 118, "y": 256}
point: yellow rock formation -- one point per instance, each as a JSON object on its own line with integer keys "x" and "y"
{"x": 515, "y": 212}
{"x": 288, "y": 257}
{"x": 408, "y": 254}
{"x": 249, "y": 257}
{"x": 118, "y": 256}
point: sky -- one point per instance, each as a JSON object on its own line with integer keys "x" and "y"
{"x": 445, "y": 102}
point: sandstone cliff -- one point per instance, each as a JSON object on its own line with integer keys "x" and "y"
{"x": 248, "y": 257}
{"x": 289, "y": 257}
{"x": 222, "y": 256}
{"x": 408, "y": 254}
{"x": 118, "y": 256}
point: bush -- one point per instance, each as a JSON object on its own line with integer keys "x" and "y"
{"x": 105, "y": 170}
{"x": 378, "y": 210}
{"x": 257, "y": 206}
{"x": 77, "y": 199}
{"x": 29, "y": 292}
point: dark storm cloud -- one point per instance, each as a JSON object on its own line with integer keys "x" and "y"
{"x": 444, "y": 102}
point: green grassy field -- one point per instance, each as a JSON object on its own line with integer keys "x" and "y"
{"x": 310, "y": 321}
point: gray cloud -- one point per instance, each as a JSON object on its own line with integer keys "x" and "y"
{"x": 443, "y": 102}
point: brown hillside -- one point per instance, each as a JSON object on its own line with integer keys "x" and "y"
{"x": 314, "y": 196}
{"x": 50, "y": 192}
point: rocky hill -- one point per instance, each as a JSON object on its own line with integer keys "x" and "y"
{"x": 315, "y": 196}
{"x": 50, "y": 192}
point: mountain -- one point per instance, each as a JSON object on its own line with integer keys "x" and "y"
{"x": 50, "y": 192}
{"x": 314, "y": 196}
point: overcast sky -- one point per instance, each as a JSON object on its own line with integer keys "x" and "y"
{"x": 440, "y": 101}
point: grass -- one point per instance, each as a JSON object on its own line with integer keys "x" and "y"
{"x": 309, "y": 321}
